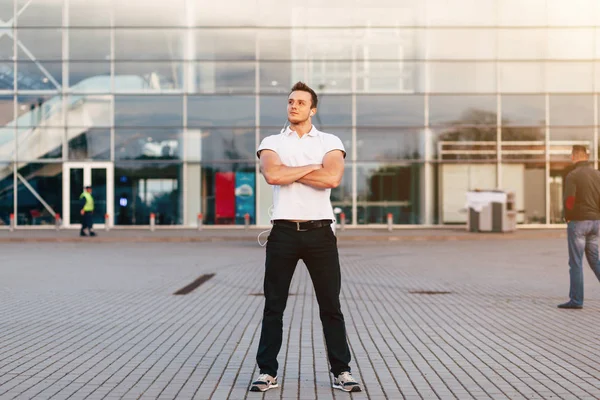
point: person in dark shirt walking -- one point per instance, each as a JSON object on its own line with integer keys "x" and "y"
{"x": 582, "y": 213}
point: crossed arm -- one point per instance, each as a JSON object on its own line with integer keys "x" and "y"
{"x": 320, "y": 176}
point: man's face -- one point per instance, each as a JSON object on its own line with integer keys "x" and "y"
{"x": 298, "y": 109}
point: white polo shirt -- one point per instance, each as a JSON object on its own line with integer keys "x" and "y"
{"x": 298, "y": 201}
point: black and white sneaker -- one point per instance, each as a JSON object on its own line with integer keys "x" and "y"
{"x": 346, "y": 382}
{"x": 263, "y": 383}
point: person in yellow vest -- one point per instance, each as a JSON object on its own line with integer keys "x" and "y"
{"x": 87, "y": 212}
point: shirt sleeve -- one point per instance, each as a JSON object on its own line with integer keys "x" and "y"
{"x": 268, "y": 143}
{"x": 333, "y": 142}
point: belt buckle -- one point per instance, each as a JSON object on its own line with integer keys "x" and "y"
{"x": 298, "y": 227}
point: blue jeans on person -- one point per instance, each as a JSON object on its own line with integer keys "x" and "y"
{"x": 583, "y": 238}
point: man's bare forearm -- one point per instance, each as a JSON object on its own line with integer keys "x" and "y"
{"x": 284, "y": 175}
{"x": 321, "y": 179}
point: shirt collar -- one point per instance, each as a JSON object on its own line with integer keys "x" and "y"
{"x": 313, "y": 131}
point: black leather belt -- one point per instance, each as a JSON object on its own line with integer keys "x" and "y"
{"x": 302, "y": 226}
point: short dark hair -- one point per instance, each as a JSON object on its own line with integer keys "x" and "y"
{"x": 303, "y": 87}
{"x": 579, "y": 150}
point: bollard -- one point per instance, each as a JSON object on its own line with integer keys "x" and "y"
{"x": 106, "y": 222}
{"x": 152, "y": 221}
{"x": 12, "y": 222}
{"x": 342, "y": 221}
{"x": 200, "y": 221}
{"x": 247, "y": 220}
{"x": 57, "y": 221}
{"x": 390, "y": 221}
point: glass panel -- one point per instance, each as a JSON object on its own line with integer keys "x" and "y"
{"x": 46, "y": 181}
{"x": 224, "y": 77}
{"x": 148, "y": 144}
{"x": 39, "y": 143}
{"x": 99, "y": 191}
{"x": 527, "y": 181}
{"x": 571, "y": 44}
{"x": 525, "y": 110}
{"x": 225, "y": 13}
{"x": 571, "y": 110}
{"x": 90, "y": 77}
{"x": 323, "y": 75}
{"x": 388, "y": 44}
{"x": 390, "y": 110}
{"x": 521, "y": 77}
{"x": 466, "y": 110}
{"x": 461, "y": 44}
{"x": 579, "y": 13}
{"x": 147, "y": 76}
{"x": 341, "y": 196}
{"x": 77, "y": 187}
{"x": 40, "y": 44}
{"x": 6, "y": 109}
{"x": 573, "y": 77}
{"x": 149, "y": 44}
{"x": 390, "y": 76}
{"x": 44, "y": 75}
{"x": 89, "y": 44}
{"x": 224, "y": 200}
{"x": 88, "y": 144}
{"x": 89, "y": 13}
{"x": 7, "y": 128}
{"x": 466, "y": 143}
{"x": 149, "y": 13}
{"x": 39, "y": 13}
{"x": 149, "y": 111}
{"x": 144, "y": 188}
{"x": 462, "y": 77}
{"x": 461, "y": 12}
{"x": 522, "y": 13}
{"x": 6, "y": 48}
{"x": 89, "y": 111}
{"x": 40, "y": 110}
{"x": 330, "y": 44}
{"x": 6, "y": 193}
{"x": 583, "y": 134}
{"x": 275, "y": 44}
{"x": 7, "y": 74}
{"x": 225, "y": 44}
{"x": 275, "y": 77}
{"x": 332, "y": 110}
{"x": 523, "y": 143}
{"x": 227, "y": 144}
{"x": 383, "y": 189}
{"x": 6, "y": 10}
{"x": 522, "y": 44}
{"x": 206, "y": 111}
{"x": 377, "y": 144}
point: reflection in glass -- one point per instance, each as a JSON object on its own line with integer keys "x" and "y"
{"x": 148, "y": 76}
{"x": 228, "y": 193}
{"x": 389, "y": 144}
{"x": 521, "y": 77}
{"x": 89, "y": 111}
{"x": 7, "y": 71}
{"x": 88, "y": 144}
{"x": 46, "y": 180}
{"x": 89, "y": 13}
{"x": 571, "y": 110}
{"x": 6, "y": 10}
{"x": 149, "y": 44}
{"x": 571, "y": 44}
{"x": 387, "y": 110}
{"x": 462, "y": 77}
{"x": 6, "y": 109}
{"x": 40, "y": 110}
{"x": 585, "y": 135}
{"x": 523, "y": 110}
{"x": 522, "y": 44}
{"x": 221, "y": 110}
{"x": 227, "y": 144}
{"x": 466, "y": 142}
{"x": 341, "y": 196}
{"x": 527, "y": 181}
{"x": 149, "y": 13}
{"x": 275, "y": 44}
{"x": 226, "y": 13}
{"x": 275, "y": 77}
{"x": 383, "y": 189}
{"x": 149, "y": 111}
{"x": 6, "y": 193}
{"x": 90, "y": 77}
{"x": 466, "y": 110}
{"x": 6, "y": 49}
{"x": 324, "y": 75}
{"x": 558, "y": 173}
{"x": 89, "y": 44}
{"x": 41, "y": 142}
{"x": 40, "y": 44}
{"x": 76, "y": 188}
{"x": 100, "y": 191}
{"x": 522, "y": 13}
{"x": 148, "y": 144}
{"x": 44, "y": 75}
{"x": 224, "y": 77}
{"x": 561, "y": 14}
{"x": 144, "y": 188}
{"x": 461, "y": 13}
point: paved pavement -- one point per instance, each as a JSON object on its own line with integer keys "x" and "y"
{"x": 426, "y": 320}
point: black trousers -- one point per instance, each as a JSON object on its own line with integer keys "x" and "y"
{"x": 318, "y": 249}
{"x": 87, "y": 221}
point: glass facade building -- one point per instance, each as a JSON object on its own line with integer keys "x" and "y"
{"x": 160, "y": 106}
